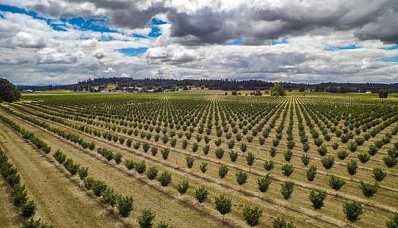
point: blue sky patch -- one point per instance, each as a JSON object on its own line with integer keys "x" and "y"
{"x": 89, "y": 24}
{"x": 391, "y": 47}
{"x": 283, "y": 40}
{"x": 350, "y": 46}
{"x": 155, "y": 32}
{"x": 158, "y": 21}
{"x": 133, "y": 51}
{"x": 236, "y": 41}
{"x": 391, "y": 59}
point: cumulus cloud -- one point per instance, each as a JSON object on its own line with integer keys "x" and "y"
{"x": 318, "y": 40}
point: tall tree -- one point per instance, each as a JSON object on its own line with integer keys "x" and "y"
{"x": 8, "y": 92}
{"x": 278, "y": 90}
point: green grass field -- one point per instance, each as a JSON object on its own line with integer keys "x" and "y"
{"x": 204, "y": 159}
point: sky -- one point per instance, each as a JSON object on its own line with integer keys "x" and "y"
{"x": 53, "y": 42}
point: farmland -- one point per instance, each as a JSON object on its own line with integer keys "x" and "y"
{"x": 200, "y": 159}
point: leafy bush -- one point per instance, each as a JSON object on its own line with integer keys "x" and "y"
{"x": 165, "y": 153}
{"x": 252, "y": 215}
{"x": 311, "y": 173}
{"x": 189, "y": 160}
{"x": 165, "y": 179}
{"x": 287, "y": 189}
{"x": 363, "y": 157}
{"x": 327, "y": 162}
{"x": 223, "y": 204}
{"x": 287, "y": 169}
{"x": 317, "y": 197}
{"x": 336, "y": 183}
{"x": 241, "y": 177}
{"x": 182, "y": 187}
{"x": 268, "y": 165}
{"x": 145, "y": 220}
{"x": 140, "y": 167}
{"x": 263, "y": 183}
{"x": 223, "y": 171}
{"x": 368, "y": 190}
{"x": 352, "y": 167}
{"x": 305, "y": 159}
{"x": 151, "y": 173}
{"x": 203, "y": 167}
{"x": 233, "y": 156}
{"x": 390, "y": 161}
{"x": 201, "y": 194}
{"x": 125, "y": 205}
{"x": 288, "y": 155}
{"x": 129, "y": 164}
{"x": 352, "y": 210}
{"x": 250, "y": 158}
{"x": 342, "y": 154}
{"x": 379, "y": 174}
{"x": 219, "y": 153}
{"x": 281, "y": 222}
{"x": 83, "y": 173}
{"x": 393, "y": 222}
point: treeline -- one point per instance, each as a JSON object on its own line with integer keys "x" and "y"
{"x": 218, "y": 84}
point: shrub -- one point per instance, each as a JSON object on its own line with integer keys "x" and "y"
{"x": 83, "y": 173}
{"x": 288, "y": 155}
{"x": 118, "y": 158}
{"x": 223, "y": 204}
{"x": 287, "y": 189}
{"x": 206, "y": 149}
{"x": 336, "y": 183}
{"x": 317, "y": 197}
{"x": 233, "y": 156}
{"x": 165, "y": 153}
{"x": 352, "y": 210}
{"x": 352, "y": 167}
{"x": 129, "y": 164}
{"x": 59, "y": 156}
{"x": 311, "y": 173}
{"x": 140, "y": 167}
{"x": 327, "y": 162}
{"x": 363, "y": 157}
{"x": 182, "y": 187}
{"x": 125, "y": 205}
{"x": 287, "y": 169}
{"x": 390, "y": 161}
{"x": 164, "y": 179}
{"x": 368, "y": 190}
{"x": 272, "y": 152}
{"x": 268, "y": 165}
{"x": 109, "y": 197}
{"x": 250, "y": 158}
{"x": 189, "y": 160}
{"x": 263, "y": 183}
{"x": 154, "y": 151}
{"x": 322, "y": 150}
{"x": 201, "y": 194}
{"x": 379, "y": 174}
{"x": 305, "y": 159}
{"x": 219, "y": 153}
{"x": 28, "y": 209}
{"x": 203, "y": 167}
{"x": 71, "y": 167}
{"x": 152, "y": 173}
{"x": 252, "y": 215}
{"x": 281, "y": 222}
{"x": 98, "y": 187}
{"x": 372, "y": 150}
{"x": 146, "y": 219}
{"x": 393, "y": 223}
{"x": 342, "y": 154}
{"x": 243, "y": 147}
{"x": 223, "y": 171}
{"x": 352, "y": 146}
{"x": 241, "y": 177}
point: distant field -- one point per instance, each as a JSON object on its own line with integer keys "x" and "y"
{"x": 298, "y": 158}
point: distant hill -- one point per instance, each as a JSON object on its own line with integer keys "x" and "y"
{"x": 129, "y": 84}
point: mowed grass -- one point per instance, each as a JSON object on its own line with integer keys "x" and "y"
{"x": 228, "y": 122}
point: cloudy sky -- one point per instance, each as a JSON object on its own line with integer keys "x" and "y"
{"x": 65, "y": 41}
